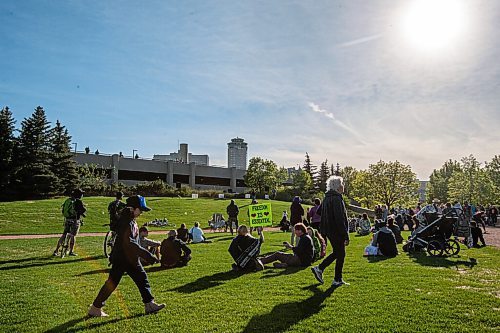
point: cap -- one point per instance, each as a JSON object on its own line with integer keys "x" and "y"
{"x": 435, "y": 200}
{"x": 138, "y": 201}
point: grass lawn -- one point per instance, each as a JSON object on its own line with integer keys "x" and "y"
{"x": 403, "y": 294}
{"x": 44, "y": 216}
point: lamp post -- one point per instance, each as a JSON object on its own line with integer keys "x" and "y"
{"x": 133, "y": 152}
{"x": 76, "y": 145}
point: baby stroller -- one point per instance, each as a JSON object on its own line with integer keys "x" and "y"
{"x": 435, "y": 236}
{"x": 217, "y": 222}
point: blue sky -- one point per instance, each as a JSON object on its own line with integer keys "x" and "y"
{"x": 341, "y": 80}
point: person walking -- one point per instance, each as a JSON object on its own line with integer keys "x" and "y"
{"x": 125, "y": 259}
{"x": 296, "y": 214}
{"x": 334, "y": 226}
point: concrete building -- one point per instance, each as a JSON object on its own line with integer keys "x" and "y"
{"x": 131, "y": 171}
{"x": 237, "y": 154}
{"x": 183, "y": 156}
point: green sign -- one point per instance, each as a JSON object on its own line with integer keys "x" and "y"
{"x": 260, "y": 215}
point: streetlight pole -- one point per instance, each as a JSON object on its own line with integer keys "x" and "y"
{"x": 76, "y": 144}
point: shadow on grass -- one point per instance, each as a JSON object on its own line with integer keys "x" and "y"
{"x": 69, "y": 325}
{"x": 207, "y": 282}
{"x": 375, "y": 259}
{"x": 285, "y": 315}
{"x": 279, "y": 272}
{"x": 97, "y": 271}
{"x": 45, "y": 261}
{"x": 425, "y": 260}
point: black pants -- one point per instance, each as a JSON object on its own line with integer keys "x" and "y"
{"x": 136, "y": 273}
{"x": 477, "y": 234}
{"x": 338, "y": 253}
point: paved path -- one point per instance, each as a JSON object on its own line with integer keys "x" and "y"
{"x": 492, "y": 235}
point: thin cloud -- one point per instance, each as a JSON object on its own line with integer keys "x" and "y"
{"x": 316, "y": 108}
{"x": 360, "y": 40}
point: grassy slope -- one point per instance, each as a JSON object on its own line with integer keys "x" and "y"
{"x": 44, "y": 216}
{"x": 402, "y": 294}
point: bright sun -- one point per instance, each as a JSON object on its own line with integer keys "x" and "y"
{"x": 433, "y": 25}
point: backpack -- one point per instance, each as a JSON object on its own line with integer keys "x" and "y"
{"x": 68, "y": 208}
{"x": 114, "y": 209}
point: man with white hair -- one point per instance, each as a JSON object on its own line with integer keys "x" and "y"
{"x": 334, "y": 225}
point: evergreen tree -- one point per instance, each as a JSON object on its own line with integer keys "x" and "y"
{"x": 309, "y": 167}
{"x": 63, "y": 165}
{"x": 7, "y": 142}
{"x": 323, "y": 174}
{"x": 33, "y": 177}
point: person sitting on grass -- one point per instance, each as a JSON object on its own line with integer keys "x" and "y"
{"x": 149, "y": 244}
{"x": 284, "y": 223}
{"x": 197, "y": 235}
{"x": 364, "y": 225}
{"x": 245, "y": 248}
{"x": 174, "y": 252}
{"x": 303, "y": 253}
{"x": 395, "y": 229}
{"x": 385, "y": 241}
{"x": 182, "y": 233}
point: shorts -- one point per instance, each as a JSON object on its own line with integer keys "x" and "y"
{"x": 71, "y": 227}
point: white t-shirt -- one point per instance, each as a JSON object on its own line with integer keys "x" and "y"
{"x": 197, "y": 234}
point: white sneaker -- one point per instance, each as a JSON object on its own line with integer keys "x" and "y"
{"x": 96, "y": 312}
{"x": 336, "y": 283}
{"x": 152, "y": 307}
{"x": 318, "y": 274}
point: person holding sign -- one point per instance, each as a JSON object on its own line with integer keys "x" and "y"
{"x": 244, "y": 249}
{"x": 303, "y": 253}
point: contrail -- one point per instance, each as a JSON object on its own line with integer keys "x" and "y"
{"x": 360, "y": 40}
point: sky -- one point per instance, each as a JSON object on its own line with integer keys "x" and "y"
{"x": 350, "y": 81}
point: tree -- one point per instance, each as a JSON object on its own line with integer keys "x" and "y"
{"x": 263, "y": 175}
{"x": 63, "y": 165}
{"x": 93, "y": 180}
{"x": 493, "y": 170}
{"x": 323, "y": 174}
{"x": 471, "y": 183}
{"x": 348, "y": 173}
{"x": 302, "y": 183}
{"x": 33, "y": 177}
{"x": 390, "y": 183}
{"x": 7, "y": 142}
{"x": 309, "y": 167}
{"x": 439, "y": 179}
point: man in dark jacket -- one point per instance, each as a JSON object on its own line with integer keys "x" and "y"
{"x": 125, "y": 258}
{"x": 232, "y": 213}
{"x": 245, "y": 248}
{"x": 334, "y": 226}
{"x": 174, "y": 252}
{"x": 303, "y": 253}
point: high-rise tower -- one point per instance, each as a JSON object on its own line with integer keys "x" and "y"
{"x": 237, "y": 153}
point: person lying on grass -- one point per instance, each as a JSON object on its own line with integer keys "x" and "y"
{"x": 303, "y": 253}
{"x": 245, "y": 248}
{"x": 174, "y": 252}
{"x": 125, "y": 259}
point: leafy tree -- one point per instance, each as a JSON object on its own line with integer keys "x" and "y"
{"x": 439, "y": 179}
{"x": 348, "y": 173}
{"x": 33, "y": 177}
{"x": 262, "y": 174}
{"x": 493, "y": 170}
{"x": 360, "y": 190}
{"x": 390, "y": 183}
{"x": 92, "y": 179}
{"x": 302, "y": 183}
{"x": 471, "y": 183}
{"x": 63, "y": 165}
{"x": 7, "y": 142}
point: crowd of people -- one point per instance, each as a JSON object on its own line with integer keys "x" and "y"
{"x": 311, "y": 229}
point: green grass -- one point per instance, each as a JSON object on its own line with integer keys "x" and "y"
{"x": 403, "y": 294}
{"x": 44, "y": 216}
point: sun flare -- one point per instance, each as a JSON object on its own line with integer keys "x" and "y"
{"x": 433, "y": 25}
